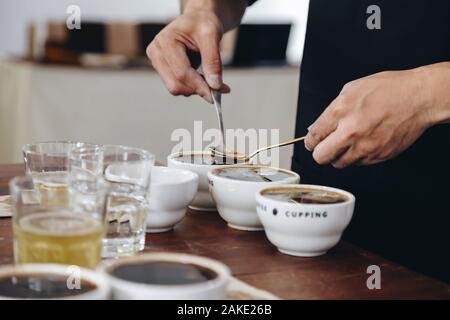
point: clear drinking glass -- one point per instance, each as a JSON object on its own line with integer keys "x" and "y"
{"x": 128, "y": 171}
{"x": 70, "y": 233}
{"x": 48, "y": 164}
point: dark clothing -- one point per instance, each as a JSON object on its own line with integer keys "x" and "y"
{"x": 402, "y": 205}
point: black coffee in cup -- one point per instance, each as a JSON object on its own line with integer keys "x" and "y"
{"x": 163, "y": 273}
{"x": 40, "y": 286}
{"x": 305, "y": 195}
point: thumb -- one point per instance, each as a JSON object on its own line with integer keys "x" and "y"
{"x": 211, "y": 62}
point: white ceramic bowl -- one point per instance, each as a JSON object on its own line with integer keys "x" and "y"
{"x": 213, "y": 289}
{"x": 171, "y": 191}
{"x": 236, "y": 198}
{"x": 203, "y": 200}
{"x": 101, "y": 292}
{"x": 303, "y": 229}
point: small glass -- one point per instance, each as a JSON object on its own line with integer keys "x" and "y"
{"x": 48, "y": 164}
{"x": 70, "y": 233}
{"x": 127, "y": 171}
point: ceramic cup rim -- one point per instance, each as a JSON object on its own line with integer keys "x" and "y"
{"x": 292, "y": 178}
{"x": 260, "y": 197}
{"x": 101, "y": 290}
{"x": 223, "y": 272}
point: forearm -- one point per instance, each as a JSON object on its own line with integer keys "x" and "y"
{"x": 437, "y": 90}
{"x": 230, "y": 12}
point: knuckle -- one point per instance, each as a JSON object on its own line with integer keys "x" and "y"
{"x": 350, "y": 133}
{"x": 174, "y": 89}
{"x": 338, "y": 110}
{"x": 151, "y": 50}
{"x": 349, "y": 86}
{"x": 314, "y": 133}
{"x": 365, "y": 148}
{"x": 208, "y": 29}
{"x": 182, "y": 75}
{"x": 345, "y": 99}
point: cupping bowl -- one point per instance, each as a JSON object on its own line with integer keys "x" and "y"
{"x": 304, "y": 229}
{"x": 171, "y": 191}
{"x": 202, "y": 200}
{"x": 235, "y": 198}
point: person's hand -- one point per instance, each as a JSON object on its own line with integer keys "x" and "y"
{"x": 198, "y": 30}
{"x": 372, "y": 120}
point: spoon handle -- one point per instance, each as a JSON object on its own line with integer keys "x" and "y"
{"x": 217, "y": 99}
{"x": 282, "y": 144}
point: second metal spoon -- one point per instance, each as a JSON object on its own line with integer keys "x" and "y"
{"x": 244, "y": 158}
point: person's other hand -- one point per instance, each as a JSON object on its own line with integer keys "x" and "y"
{"x": 198, "y": 30}
{"x": 372, "y": 120}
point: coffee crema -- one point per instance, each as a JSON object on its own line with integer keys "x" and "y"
{"x": 40, "y": 286}
{"x": 257, "y": 174}
{"x": 164, "y": 273}
{"x": 305, "y": 195}
{"x": 204, "y": 159}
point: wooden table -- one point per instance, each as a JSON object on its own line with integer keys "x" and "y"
{"x": 340, "y": 274}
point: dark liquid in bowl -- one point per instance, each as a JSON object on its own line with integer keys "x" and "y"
{"x": 40, "y": 286}
{"x": 164, "y": 273}
{"x": 253, "y": 174}
{"x": 312, "y": 196}
{"x": 206, "y": 160}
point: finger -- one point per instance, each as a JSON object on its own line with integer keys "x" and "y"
{"x": 173, "y": 86}
{"x": 367, "y": 161}
{"x": 209, "y": 47}
{"x": 347, "y": 158}
{"x": 176, "y": 58}
{"x": 331, "y": 148}
{"x": 323, "y": 126}
{"x": 225, "y": 88}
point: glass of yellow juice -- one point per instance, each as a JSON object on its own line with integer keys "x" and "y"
{"x": 67, "y": 230}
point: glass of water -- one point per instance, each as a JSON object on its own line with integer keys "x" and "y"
{"x": 48, "y": 164}
{"x": 128, "y": 171}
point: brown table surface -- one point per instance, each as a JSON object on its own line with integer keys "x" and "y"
{"x": 340, "y": 274}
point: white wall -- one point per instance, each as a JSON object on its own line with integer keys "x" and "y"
{"x": 15, "y": 14}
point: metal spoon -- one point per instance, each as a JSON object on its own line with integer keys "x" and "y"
{"x": 217, "y": 99}
{"x": 236, "y": 157}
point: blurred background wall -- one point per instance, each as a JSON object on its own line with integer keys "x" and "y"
{"x": 52, "y": 100}
{"x": 16, "y": 14}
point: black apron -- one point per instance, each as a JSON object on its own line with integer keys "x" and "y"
{"x": 403, "y": 205}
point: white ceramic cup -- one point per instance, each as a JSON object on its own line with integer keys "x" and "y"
{"x": 304, "y": 229}
{"x": 236, "y": 198}
{"x": 73, "y": 274}
{"x": 213, "y": 289}
{"x": 203, "y": 200}
{"x": 171, "y": 191}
